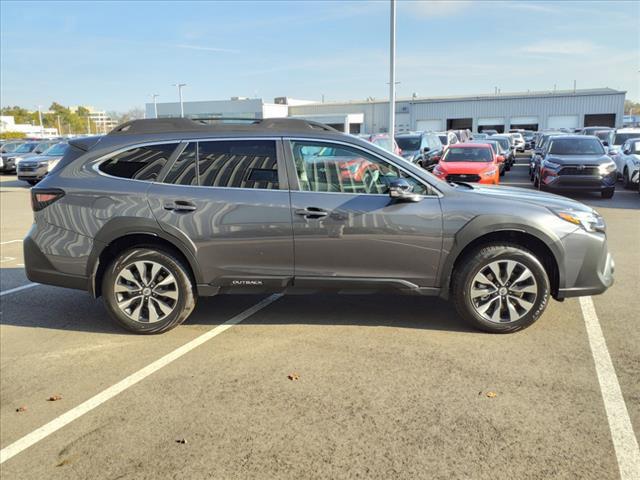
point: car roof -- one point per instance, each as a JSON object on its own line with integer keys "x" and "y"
{"x": 470, "y": 145}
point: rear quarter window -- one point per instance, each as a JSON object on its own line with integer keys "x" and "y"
{"x": 139, "y": 163}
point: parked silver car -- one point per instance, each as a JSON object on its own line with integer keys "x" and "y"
{"x": 26, "y": 150}
{"x": 34, "y": 169}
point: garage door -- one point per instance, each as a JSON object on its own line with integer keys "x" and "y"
{"x": 426, "y": 125}
{"x": 524, "y": 120}
{"x": 563, "y": 121}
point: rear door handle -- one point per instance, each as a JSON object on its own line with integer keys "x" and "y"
{"x": 180, "y": 206}
{"x": 312, "y": 212}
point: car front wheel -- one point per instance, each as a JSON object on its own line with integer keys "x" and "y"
{"x": 500, "y": 288}
{"x": 608, "y": 192}
{"x": 148, "y": 291}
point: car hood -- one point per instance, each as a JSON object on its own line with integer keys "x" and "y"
{"x": 511, "y": 194}
{"x": 42, "y": 158}
{"x": 579, "y": 159}
{"x": 8, "y": 156}
{"x": 465, "y": 167}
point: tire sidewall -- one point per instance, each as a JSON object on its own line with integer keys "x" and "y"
{"x": 186, "y": 298}
{"x": 480, "y": 260}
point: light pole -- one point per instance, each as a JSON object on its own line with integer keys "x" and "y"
{"x": 59, "y": 127}
{"x": 88, "y": 125}
{"x": 180, "y": 85}
{"x": 392, "y": 69}
{"x": 155, "y": 104}
{"x": 40, "y": 118}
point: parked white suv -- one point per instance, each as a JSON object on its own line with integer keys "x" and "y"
{"x": 628, "y": 162}
{"x": 518, "y": 141}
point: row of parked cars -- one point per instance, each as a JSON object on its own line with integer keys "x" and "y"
{"x": 457, "y": 155}
{"x": 591, "y": 159}
{"x": 31, "y": 160}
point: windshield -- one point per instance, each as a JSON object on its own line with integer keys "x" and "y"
{"x": 603, "y": 135}
{"x": 576, "y": 146}
{"x": 409, "y": 143}
{"x": 384, "y": 142}
{"x": 56, "y": 150}
{"x": 25, "y": 148}
{"x": 620, "y": 138}
{"x": 460, "y": 154}
{"x": 9, "y": 147}
{"x": 504, "y": 143}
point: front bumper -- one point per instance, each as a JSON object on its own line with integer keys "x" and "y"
{"x": 588, "y": 266}
{"x": 31, "y": 172}
{"x": 556, "y": 180}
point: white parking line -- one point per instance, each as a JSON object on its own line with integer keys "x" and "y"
{"x": 18, "y": 289}
{"x": 624, "y": 440}
{"x": 10, "y": 241}
{"x": 95, "y": 401}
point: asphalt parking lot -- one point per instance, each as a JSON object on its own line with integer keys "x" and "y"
{"x": 388, "y": 387}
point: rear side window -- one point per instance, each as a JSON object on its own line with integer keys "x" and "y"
{"x": 238, "y": 164}
{"x": 140, "y": 163}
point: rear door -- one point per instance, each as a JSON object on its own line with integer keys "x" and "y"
{"x": 348, "y": 231}
{"x": 229, "y": 199}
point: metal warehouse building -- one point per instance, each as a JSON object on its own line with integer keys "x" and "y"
{"x": 531, "y": 110}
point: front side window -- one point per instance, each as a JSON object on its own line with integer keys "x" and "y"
{"x": 140, "y": 163}
{"x": 238, "y": 164}
{"x": 324, "y": 167}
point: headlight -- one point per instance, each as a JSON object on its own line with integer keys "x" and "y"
{"x": 17, "y": 160}
{"x": 590, "y": 221}
{"x": 607, "y": 168}
{"x": 437, "y": 170}
{"x": 549, "y": 164}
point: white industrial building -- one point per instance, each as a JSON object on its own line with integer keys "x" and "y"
{"x": 8, "y": 124}
{"x": 530, "y": 110}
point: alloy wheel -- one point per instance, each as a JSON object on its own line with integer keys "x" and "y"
{"x": 146, "y": 291}
{"x": 503, "y": 291}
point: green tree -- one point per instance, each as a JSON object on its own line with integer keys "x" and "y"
{"x": 631, "y": 106}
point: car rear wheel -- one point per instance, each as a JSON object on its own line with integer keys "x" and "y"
{"x": 148, "y": 291}
{"x": 500, "y": 288}
{"x": 608, "y": 192}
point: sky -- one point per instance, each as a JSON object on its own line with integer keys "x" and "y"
{"x": 114, "y": 55}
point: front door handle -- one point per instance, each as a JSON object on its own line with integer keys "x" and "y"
{"x": 312, "y": 212}
{"x": 180, "y": 206}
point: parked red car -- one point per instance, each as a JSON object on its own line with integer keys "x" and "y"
{"x": 469, "y": 162}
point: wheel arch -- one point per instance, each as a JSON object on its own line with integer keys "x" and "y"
{"x": 546, "y": 248}
{"x": 122, "y": 233}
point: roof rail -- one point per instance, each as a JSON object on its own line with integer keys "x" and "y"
{"x": 170, "y": 125}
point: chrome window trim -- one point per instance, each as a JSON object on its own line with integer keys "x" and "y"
{"x": 95, "y": 164}
{"x": 438, "y": 193}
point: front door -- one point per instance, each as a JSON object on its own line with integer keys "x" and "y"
{"x": 346, "y": 227}
{"x": 230, "y": 199}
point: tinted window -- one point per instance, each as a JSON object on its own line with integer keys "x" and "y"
{"x": 56, "y": 150}
{"x": 576, "y": 146}
{"x": 238, "y": 164}
{"x": 620, "y": 138}
{"x": 141, "y": 163}
{"x": 409, "y": 143}
{"x": 324, "y": 167}
{"x": 459, "y": 154}
{"x": 183, "y": 171}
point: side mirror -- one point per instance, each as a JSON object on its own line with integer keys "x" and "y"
{"x": 402, "y": 190}
{"x": 606, "y": 144}
{"x": 426, "y": 149}
{"x": 436, "y": 158}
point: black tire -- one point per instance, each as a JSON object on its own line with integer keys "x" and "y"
{"x": 608, "y": 192}
{"x": 626, "y": 181}
{"x": 478, "y": 260}
{"x": 183, "y": 306}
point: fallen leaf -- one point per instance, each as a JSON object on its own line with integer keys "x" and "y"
{"x": 492, "y": 394}
{"x": 293, "y": 376}
{"x": 64, "y": 462}
{"x": 182, "y": 441}
{"x": 54, "y": 398}
{"x": 21, "y": 408}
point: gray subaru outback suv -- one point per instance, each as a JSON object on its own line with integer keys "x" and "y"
{"x": 159, "y": 212}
